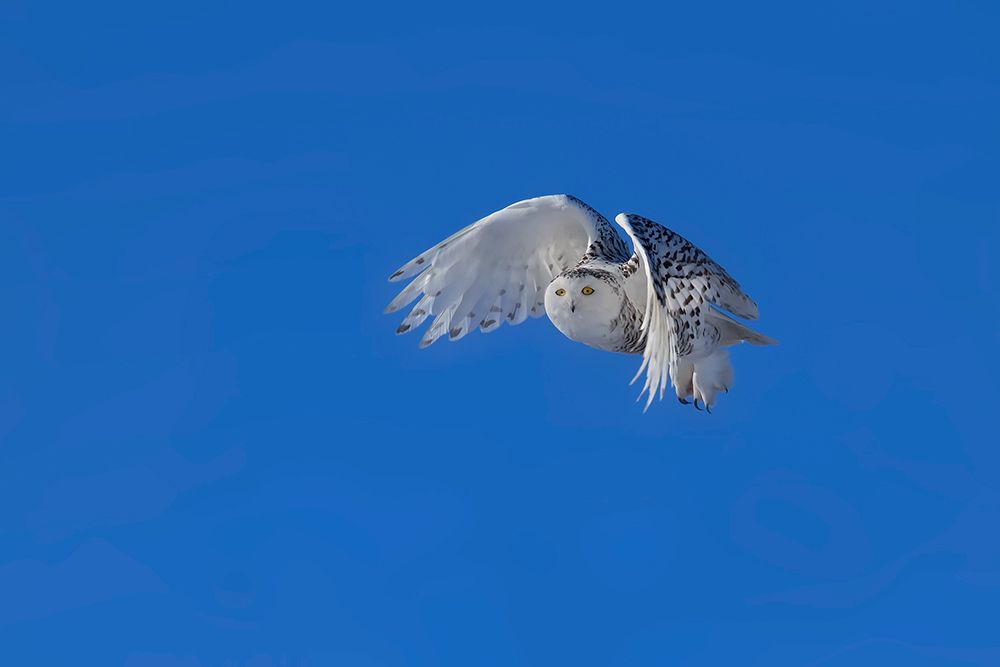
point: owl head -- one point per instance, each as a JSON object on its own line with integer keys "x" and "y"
{"x": 582, "y": 303}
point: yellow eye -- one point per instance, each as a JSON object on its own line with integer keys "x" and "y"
{"x": 588, "y": 290}
{"x": 560, "y": 292}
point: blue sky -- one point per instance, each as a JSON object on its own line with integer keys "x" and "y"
{"x": 215, "y": 450}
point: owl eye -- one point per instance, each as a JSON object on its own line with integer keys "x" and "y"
{"x": 588, "y": 290}
{"x": 560, "y": 292}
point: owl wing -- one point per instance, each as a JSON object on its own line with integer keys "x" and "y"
{"x": 497, "y": 269}
{"x": 677, "y": 279}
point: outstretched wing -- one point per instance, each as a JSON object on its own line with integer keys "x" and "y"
{"x": 497, "y": 269}
{"x": 677, "y": 279}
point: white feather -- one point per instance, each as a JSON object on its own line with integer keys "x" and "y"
{"x": 675, "y": 293}
{"x": 506, "y": 259}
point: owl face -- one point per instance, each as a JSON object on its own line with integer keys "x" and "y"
{"x": 582, "y": 306}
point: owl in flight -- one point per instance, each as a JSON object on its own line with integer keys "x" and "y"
{"x": 557, "y": 255}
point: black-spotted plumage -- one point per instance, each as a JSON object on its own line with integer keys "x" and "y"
{"x": 557, "y": 255}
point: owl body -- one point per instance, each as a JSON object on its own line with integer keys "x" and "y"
{"x": 558, "y": 256}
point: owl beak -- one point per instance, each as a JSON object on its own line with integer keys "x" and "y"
{"x": 572, "y": 306}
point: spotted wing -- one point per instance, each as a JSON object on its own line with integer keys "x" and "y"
{"x": 677, "y": 280}
{"x": 496, "y": 270}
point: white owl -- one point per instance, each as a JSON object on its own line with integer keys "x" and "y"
{"x": 557, "y": 255}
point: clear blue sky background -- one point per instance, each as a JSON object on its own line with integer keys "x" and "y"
{"x": 214, "y": 451}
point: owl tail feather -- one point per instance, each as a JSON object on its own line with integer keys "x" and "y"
{"x": 734, "y": 332}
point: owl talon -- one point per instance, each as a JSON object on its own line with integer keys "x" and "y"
{"x": 696, "y": 406}
{"x": 708, "y": 409}
{"x": 683, "y": 401}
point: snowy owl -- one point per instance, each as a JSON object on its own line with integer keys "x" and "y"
{"x": 557, "y": 255}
